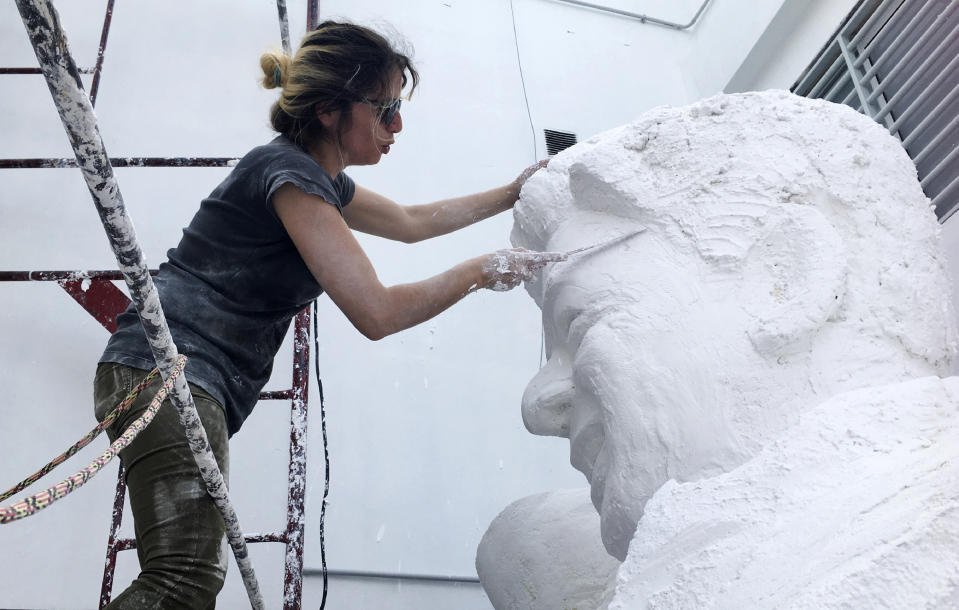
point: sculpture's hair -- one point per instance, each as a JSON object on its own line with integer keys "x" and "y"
{"x": 337, "y": 64}
{"x": 772, "y": 182}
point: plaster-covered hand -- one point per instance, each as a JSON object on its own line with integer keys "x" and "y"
{"x": 506, "y": 269}
{"x": 517, "y": 185}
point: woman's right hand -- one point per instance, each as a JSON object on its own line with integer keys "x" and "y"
{"x": 506, "y": 269}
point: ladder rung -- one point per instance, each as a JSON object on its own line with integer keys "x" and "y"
{"x": 125, "y": 544}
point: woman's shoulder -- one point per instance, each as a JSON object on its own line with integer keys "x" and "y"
{"x": 277, "y": 157}
{"x": 279, "y": 147}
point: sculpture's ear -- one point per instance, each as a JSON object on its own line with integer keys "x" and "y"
{"x": 798, "y": 269}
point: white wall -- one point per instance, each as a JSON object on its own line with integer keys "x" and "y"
{"x": 425, "y": 434}
{"x": 791, "y": 41}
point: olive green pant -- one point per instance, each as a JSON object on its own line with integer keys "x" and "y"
{"x": 179, "y": 531}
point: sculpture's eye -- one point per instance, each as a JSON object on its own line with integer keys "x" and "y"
{"x": 569, "y": 320}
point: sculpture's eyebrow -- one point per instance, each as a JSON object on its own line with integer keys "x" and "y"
{"x": 570, "y": 310}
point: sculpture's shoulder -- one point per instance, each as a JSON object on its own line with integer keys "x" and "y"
{"x": 855, "y": 505}
{"x": 544, "y": 552}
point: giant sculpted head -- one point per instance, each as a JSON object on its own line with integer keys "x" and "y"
{"x": 788, "y": 254}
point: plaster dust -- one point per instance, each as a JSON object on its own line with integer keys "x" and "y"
{"x": 768, "y": 326}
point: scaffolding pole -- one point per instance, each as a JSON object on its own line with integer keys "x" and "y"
{"x": 49, "y": 43}
{"x": 284, "y": 25}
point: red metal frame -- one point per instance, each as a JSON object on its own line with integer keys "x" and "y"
{"x": 93, "y": 290}
{"x": 96, "y": 293}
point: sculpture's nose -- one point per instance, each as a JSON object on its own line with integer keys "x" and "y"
{"x": 547, "y": 399}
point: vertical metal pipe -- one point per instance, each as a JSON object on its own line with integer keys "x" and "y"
{"x": 284, "y": 25}
{"x": 296, "y": 495}
{"x": 107, "y": 20}
{"x": 43, "y": 28}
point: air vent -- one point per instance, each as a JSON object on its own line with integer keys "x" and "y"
{"x": 558, "y": 140}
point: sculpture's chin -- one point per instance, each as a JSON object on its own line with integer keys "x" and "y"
{"x": 617, "y": 527}
{"x": 618, "y": 518}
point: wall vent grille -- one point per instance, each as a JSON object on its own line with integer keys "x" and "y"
{"x": 558, "y": 140}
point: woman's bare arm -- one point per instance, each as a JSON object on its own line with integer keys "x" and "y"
{"x": 343, "y": 270}
{"x": 375, "y": 214}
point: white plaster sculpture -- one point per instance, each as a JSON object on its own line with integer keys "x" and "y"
{"x": 758, "y": 370}
{"x": 561, "y": 525}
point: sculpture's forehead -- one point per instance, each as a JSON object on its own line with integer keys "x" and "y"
{"x": 643, "y": 272}
{"x": 579, "y": 228}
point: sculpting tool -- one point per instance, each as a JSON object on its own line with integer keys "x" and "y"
{"x": 603, "y": 244}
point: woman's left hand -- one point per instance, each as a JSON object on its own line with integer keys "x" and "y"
{"x": 517, "y": 184}
{"x": 507, "y": 269}
{"x": 529, "y": 171}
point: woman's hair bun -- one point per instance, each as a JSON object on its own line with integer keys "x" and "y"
{"x": 275, "y": 66}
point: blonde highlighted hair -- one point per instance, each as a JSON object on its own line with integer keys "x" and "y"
{"x": 336, "y": 65}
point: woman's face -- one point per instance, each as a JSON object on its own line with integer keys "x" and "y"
{"x": 368, "y": 137}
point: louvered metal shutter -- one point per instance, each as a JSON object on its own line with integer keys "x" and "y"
{"x": 898, "y": 62}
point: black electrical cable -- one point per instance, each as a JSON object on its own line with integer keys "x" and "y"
{"x": 313, "y": 18}
{"x": 522, "y": 80}
{"x": 326, "y": 451}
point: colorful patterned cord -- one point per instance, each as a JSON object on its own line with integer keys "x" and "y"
{"x": 37, "y": 502}
{"x": 83, "y": 442}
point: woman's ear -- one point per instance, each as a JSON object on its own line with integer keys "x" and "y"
{"x": 329, "y": 119}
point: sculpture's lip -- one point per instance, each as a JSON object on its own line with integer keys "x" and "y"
{"x": 597, "y": 488}
{"x": 585, "y": 445}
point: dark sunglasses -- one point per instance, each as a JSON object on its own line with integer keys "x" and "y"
{"x": 387, "y": 108}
